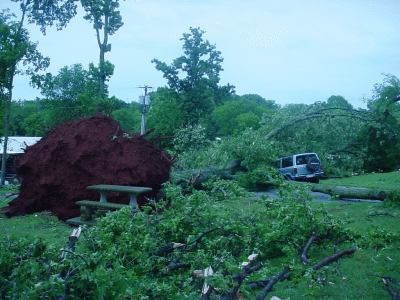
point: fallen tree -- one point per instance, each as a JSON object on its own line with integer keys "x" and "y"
{"x": 197, "y": 177}
{"x": 351, "y": 192}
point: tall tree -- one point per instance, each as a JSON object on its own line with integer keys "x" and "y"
{"x": 201, "y": 63}
{"x": 106, "y": 21}
{"x": 17, "y": 48}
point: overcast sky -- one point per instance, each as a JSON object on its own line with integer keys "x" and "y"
{"x": 298, "y": 51}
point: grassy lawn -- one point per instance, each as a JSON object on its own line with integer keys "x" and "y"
{"x": 387, "y": 181}
{"x": 39, "y": 225}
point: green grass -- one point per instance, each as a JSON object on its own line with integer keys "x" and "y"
{"x": 387, "y": 181}
{"x": 39, "y": 225}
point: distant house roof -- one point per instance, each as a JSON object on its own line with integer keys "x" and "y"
{"x": 17, "y": 144}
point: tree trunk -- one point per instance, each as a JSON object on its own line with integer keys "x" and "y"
{"x": 196, "y": 177}
{"x": 6, "y": 125}
{"x": 9, "y": 100}
{"x": 351, "y": 193}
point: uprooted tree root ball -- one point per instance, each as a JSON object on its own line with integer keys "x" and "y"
{"x": 94, "y": 150}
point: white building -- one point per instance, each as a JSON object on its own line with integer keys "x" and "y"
{"x": 15, "y": 148}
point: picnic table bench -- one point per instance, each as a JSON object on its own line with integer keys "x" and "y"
{"x": 90, "y": 210}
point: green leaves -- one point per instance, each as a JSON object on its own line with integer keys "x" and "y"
{"x": 103, "y": 14}
{"x": 44, "y": 13}
{"x": 200, "y": 64}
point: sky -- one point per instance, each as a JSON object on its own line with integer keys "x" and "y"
{"x": 290, "y": 51}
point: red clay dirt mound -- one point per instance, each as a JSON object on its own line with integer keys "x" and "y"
{"x": 95, "y": 150}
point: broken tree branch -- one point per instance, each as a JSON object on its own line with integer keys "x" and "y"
{"x": 165, "y": 249}
{"x": 386, "y": 280}
{"x": 304, "y": 258}
{"x": 239, "y": 278}
{"x": 271, "y": 283}
{"x": 393, "y": 294}
{"x": 330, "y": 259}
{"x": 173, "y": 265}
{"x": 197, "y": 240}
{"x": 257, "y": 284}
{"x": 71, "y": 242}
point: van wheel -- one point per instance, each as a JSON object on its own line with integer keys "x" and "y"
{"x": 314, "y": 180}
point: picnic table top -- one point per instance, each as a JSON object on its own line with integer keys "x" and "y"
{"x": 119, "y": 188}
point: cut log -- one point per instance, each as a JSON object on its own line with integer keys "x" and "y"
{"x": 350, "y": 192}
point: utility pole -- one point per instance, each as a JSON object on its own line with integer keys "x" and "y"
{"x": 144, "y": 99}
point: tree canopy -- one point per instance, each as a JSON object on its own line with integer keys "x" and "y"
{"x": 194, "y": 77}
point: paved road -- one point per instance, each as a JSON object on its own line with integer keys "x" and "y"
{"x": 316, "y": 197}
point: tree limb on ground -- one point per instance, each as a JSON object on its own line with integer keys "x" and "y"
{"x": 304, "y": 257}
{"x": 238, "y": 279}
{"x": 351, "y": 193}
{"x": 271, "y": 283}
{"x": 330, "y": 259}
{"x": 386, "y": 279}
{"x": 381, "y": 214}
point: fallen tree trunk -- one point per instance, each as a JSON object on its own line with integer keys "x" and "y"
{"x": 351, "y": 193}
{"x": 196, "y": 177}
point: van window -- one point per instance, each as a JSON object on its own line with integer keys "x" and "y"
{"x": 303, "y": 159}
{"x": 287, "y": 162}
